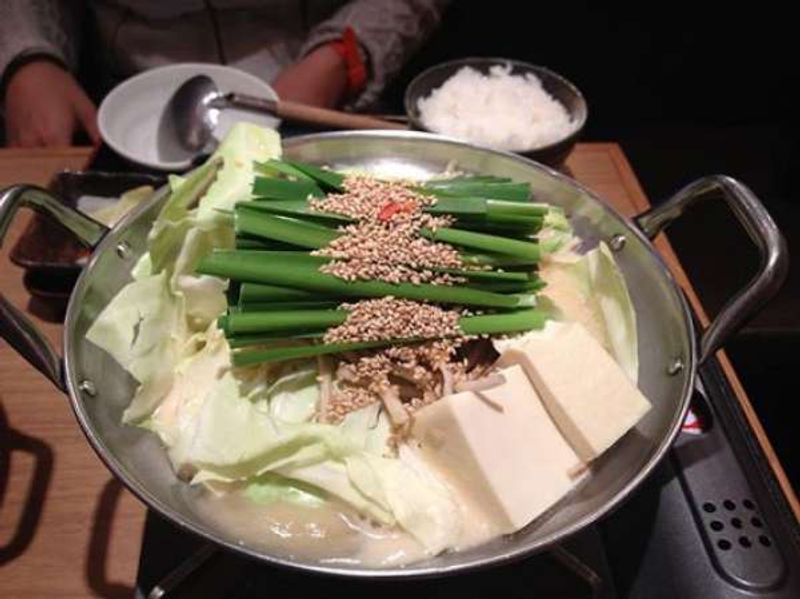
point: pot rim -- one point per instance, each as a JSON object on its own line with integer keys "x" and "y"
{"x": 410, "y": 571}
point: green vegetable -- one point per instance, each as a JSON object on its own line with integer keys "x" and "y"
{"x": 524, "y": 229}
{"x": 238, "y": 426}
{"x": 131, "y": 328}
{"x": 270, "y": 188}
{"x": 421, "y": 506}
{"x": 243, "y": 242}
{"x": 275, "y": 339}
{"x": 509, "y": 322}
{"x": 297, "y": 209}
{"x": 250, "y": 357}
{"x": 532, "y": 285}
{"x": 270, "y": 306}
{"x": 330, "y": 180}
{"x": 492, "y": 210}
{"x": 283, "y": 229}
{"x": 244, "y": 144}
{"x": 148, "y": 325}
{"x": 272, "y": 488}
{"x": 188, "y": 194}
{"x": 256, "y": 293}
{"x": 477, "y": 211}
{"x": 315, "y": 236}
{"x": 261, "y": 256}
{"x": 600, "y": 281}
{"x": 277, "y": 168}
{"x": 293, "y": 396}
{"x": 282, "y": 320}
{"x": 254, "y": 222}
{"x": 495, "y": 260}
{"x": 481, "y": 241}
{"x": 488, "y": 275}
{"x": 485, "y": 324}
{"x": 110, "y": 214}
{"x": 276, "y": 293}
{"x": 173, "y": 223}
{"x": 289, "y": 321}
{"x": 300, "y": 275}
{"x": 513, "y": 192}
{"x": 556, "y": 232}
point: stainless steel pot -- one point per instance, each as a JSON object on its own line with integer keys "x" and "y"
{"x": 669, "y": 352}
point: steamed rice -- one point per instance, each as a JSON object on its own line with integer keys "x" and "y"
{"x": 499, "y": 110}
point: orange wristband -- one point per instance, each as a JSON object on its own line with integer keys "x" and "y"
{"x": 347, "y": 48}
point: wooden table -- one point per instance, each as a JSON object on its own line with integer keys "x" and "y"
{"x": 67, "y": 528}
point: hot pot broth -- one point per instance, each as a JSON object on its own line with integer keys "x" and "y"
{"x": 244, "y": 399}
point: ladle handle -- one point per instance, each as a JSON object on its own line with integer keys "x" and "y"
{"x": 15, "y": 327}
{"x": 762, "y": 231}
{"x": 310, "y": 115}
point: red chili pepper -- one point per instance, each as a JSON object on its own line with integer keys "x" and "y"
{"x": 392, "y": 208}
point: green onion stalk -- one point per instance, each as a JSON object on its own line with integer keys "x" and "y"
{"x": 281, "y": 304}
{"x": 486, "y": 324}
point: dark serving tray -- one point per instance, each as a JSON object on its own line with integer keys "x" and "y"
{"x": 50, "y": 255}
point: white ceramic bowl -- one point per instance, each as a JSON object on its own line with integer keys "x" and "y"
{"x": 129, "y": 116}
{"x": 553, "y": 153}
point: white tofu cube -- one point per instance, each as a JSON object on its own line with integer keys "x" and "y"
{"x": 585, "y": 391}
{"x": 499, "y": 450}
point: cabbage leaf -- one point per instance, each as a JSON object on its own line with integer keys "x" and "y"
{"x": 111, "y": 214}
{"x": 147, "y": 326}
{"x": 556, "y": 234}
{"x": 248, "y": 428}
{"x": 143, "y": 329}
{"x": 271, "y": 488}
{"x": 590, "y": 289}
{"x": 246, "y": 437}
{"x": 421, "y": 505}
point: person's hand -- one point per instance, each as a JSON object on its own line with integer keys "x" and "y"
{"x": 45, "y": 105}
{"x": 318, "y": 79}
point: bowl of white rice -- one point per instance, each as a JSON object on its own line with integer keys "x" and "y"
{"x": 501, "y": 104}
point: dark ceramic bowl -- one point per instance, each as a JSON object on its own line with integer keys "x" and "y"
{"x": 553, "y": 154}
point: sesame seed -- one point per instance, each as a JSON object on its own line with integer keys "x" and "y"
{"x": 384, "y": 243}
{"x": 391, "y": 318}
{"x": 386, "y": 246}
{"x": 365, "y": 197}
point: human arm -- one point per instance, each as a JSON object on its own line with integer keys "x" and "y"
{"x": 318, "y": 79}
{"x": 388, "y": 31}
{"x": 43, "y": 104}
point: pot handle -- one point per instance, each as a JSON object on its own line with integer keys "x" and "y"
{"x": 762, "y": 230}
{"x": 15, "y": 327}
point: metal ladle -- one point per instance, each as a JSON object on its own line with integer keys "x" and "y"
{"x": 192, "y": 114}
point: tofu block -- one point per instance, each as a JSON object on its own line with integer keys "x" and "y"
{"x": 499, "y": 450}
{"x": 585, "y": 391}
